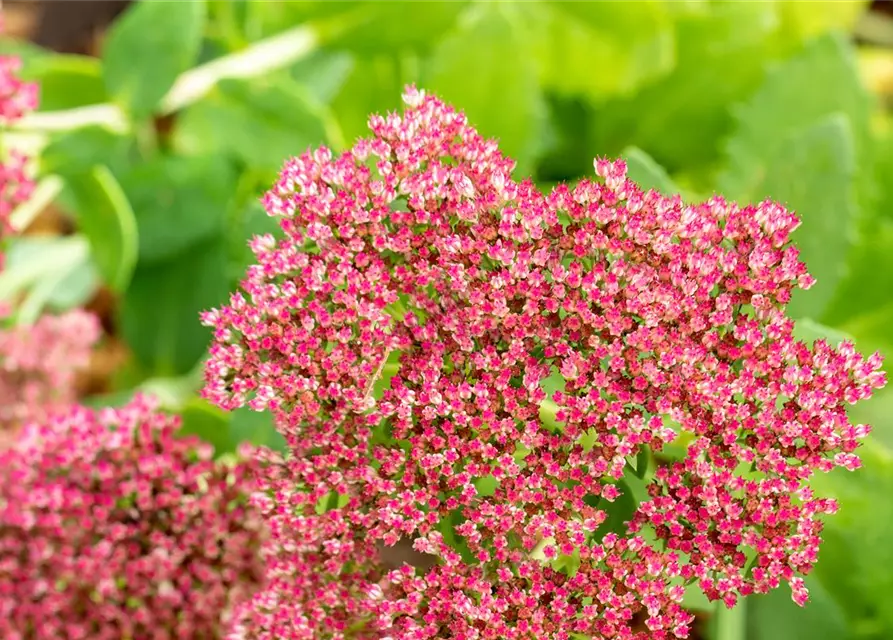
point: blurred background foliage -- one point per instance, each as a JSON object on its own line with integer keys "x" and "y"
{"x": 153, "y": 152}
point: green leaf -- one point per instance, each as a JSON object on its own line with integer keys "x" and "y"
{"x": 647, "y": 173}
{"x": 255, "y": 427}
{"x": 23, "y": 49}
{"x": 147, "y": 48}
{"x": 809, "y": 331}
{"x": 619, "y": 512}
{"x": 851, "y": 584}
{"x": 209, "y": 423}
{"x": 810, "y": 171}
{"x": 72, "y": 153}
{"x": 323, "y": 73}
{"x": 793, "y": 96}
{"x": 775, "y": 616}
{"x": 722, "y": 50}
{"x": 396, "y": 26}
{"x": 265, "y": 123}
{"x": 66, "y": 81}
{"x": 863, "y": 297}
{"x": 76, "y": 289}
{"x": 43, "y": 271}
{"x": 178, "y": 202}
{"x": 160, "y": 310}
{"x": 566, "y": 154}
{"x": 804, "y": 20}
{"x": 367, "y": 28}
{"x": 501, "y": 97}
{"x": 252, "y": 222}
{"x": 600, "y": 49}
{"x": 373, "y": 86}
{"x": 105, "y": 217}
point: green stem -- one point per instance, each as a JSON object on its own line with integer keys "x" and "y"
{"x": 730, "y": 624}
{"x": 109, "y": 116}
{"x": 42, "y": 196}
{"x": 548, "y": 412}
{"x": 260, "y": 58}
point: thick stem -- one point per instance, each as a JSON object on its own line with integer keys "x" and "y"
{"x": 730, "y": 624}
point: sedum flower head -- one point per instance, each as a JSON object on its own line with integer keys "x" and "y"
{"x": 534, "y": 346}
{"x": 112, "y": 527}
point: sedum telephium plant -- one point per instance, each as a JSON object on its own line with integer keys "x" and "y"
{"x": 112, "y": 527}
{"x": 415, "y": 264}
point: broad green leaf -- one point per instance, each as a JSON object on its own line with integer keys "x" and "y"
{"x": 619, "y": 512}
{"x": 263, "y": 19}
{"x": 501, "y": 97}
{"x": 265, "y": 123}
{"x": 367, "y": 28}
{"x": 647, "y": 173}
{"x": 796, "y": 94}
{"x": 793, "y": 96}
{"x": 43, "y": 272}
{"x": 323, "y": 73}
{"x": 26, "y": 51}
{"x": 883, "y": 172}
{"x": 255, "y": 427}
{"x": 811, "y": 171}
{"x": 104, "y": 216}
{"x": 76, "y": 289}
{"x": 160, "y": 309}
{"x": 66, "y": 81}
{"x": 395, "y": 26}
{"x": 865, "y": 292}
{"x": 209, "y": 423}
{"x": 809, "y": 331}
{"x": 253, "y": 221}
{"x": 775, "y": 616}
{"x": 178, "y": 201}
{"x": 113, "y": 399}
{"x": 602, "y": 49}
{"x": 804, "y": 20}
{"x": 856, "y": 555}
{"x": 147, "y": 48}
{"x": 877, "y": 412}
{"x": 374, "y": 86}
{"x": 722, "y": 50}
{"x": 565, "y": 153}
{"x": 72, "y": 153}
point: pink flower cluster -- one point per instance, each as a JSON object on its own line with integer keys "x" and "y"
{"x": 16, "y": 99}
{"x": 113, "y": 527}
{"x": 415, "y": 264}
{"x": 38, "y": 365}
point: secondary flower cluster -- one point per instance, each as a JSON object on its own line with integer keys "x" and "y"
{"x": 414, "y": 257}
{"x": 38, "y": 365}
{"x": 16, "y": 99}
{"x": 112, "y": 527}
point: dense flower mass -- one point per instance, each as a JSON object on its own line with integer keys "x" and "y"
{"x": 463, "y": 364}
{"x": 111, "y": 527}
{"x": 16, "y": 99}
{"x": 38, "y": 365}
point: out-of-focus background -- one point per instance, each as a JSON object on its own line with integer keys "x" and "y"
{"x": 161, "y": 123}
